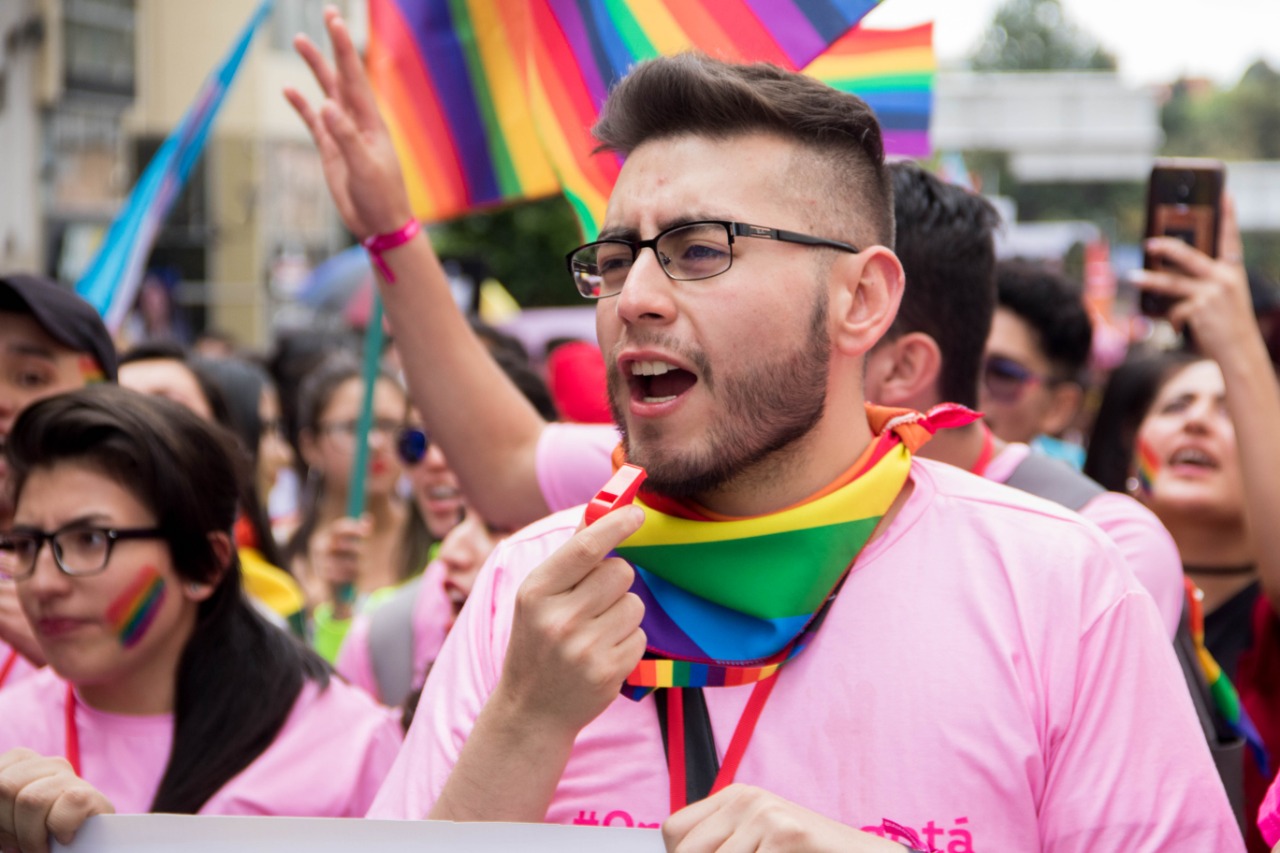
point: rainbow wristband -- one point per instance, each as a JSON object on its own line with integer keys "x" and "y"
{"x": 379, "y": 243}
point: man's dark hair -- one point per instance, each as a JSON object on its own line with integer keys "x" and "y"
{"x": 945, "y": 242}
{"x": 692, "y": 94}
{"x": 1052, "y": 305}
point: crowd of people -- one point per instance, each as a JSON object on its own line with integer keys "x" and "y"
{"x": 897, "y": 577}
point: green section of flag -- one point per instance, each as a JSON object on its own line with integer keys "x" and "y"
{"x": 775, "y": 576}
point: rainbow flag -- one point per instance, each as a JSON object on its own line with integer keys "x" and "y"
{"x": 492, "y": 101}
{"x": 892, "y": 70}
{"x": 111, "y": 283}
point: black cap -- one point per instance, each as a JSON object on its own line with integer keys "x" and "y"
{"x": 66, "y": 317}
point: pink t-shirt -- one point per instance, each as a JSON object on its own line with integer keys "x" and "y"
{"x": 989, "y": 677}
{"x": 1147, "y": 547}
{"x": 327, "y": 761}
{"x": 432, "y": 616}
{"x": 19, "y": 669}
{"x": 573, "y": 461}
{"x": 572, "y": 464}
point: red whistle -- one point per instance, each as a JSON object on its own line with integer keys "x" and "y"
{"x": 619, "y": 491}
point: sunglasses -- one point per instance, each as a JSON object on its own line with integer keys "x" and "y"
{"x": 411, "y": 445}
{"x": 1005, "y": 380}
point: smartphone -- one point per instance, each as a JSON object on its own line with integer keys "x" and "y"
{"x": 1184, "y": 200}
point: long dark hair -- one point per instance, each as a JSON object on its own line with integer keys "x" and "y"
{"x": 1130, "y": 391}
{"x": 241, "y": 384}
{"x": 239, "y": 676}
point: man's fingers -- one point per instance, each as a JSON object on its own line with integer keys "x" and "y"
{"x": 355, "y": 91}
{"x": 320, "y": 68}
{"x": 677, "y": 828}
{"x": 575, "y": 559}
{"x": 342, "y": 131}
{"x": 604, "y": 585}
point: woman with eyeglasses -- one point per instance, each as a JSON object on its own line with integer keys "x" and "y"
{"x": 1192, "y": 435}
{"x": 166, "y": 690}
{"x": 391, "y": 645}
{"x": 342, "y": 561}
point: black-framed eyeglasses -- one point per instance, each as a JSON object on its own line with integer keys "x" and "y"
{"x": 79, "y": 549}
{"x": 412, "y": 444}
{"x": 1005, "y": 379}
{"x": 689, "y": 252}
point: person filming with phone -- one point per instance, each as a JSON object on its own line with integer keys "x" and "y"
{"x": 1191, "y": 434}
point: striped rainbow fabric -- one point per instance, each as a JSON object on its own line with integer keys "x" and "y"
{"x": 892, "y": 70}
{"x": 728, "y": 602}
{"x": 492, "y": 101}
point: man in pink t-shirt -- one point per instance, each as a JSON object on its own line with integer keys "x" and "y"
{"x": 988, "y": 678}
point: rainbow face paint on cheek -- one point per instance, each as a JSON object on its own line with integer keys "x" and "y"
{"x": 133, "y": 611}
{"x": 1148, "y": 467}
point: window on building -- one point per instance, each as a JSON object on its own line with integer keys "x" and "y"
{"x": 98, "y": 46}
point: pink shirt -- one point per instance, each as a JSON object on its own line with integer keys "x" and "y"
{"x": 432, "y": 616}
{"x": 1147, "y": 547}
{"x": 989, "y": 677}
{"x": 20, "y": 669}
{"x": 573, "y": 461}
{"x": 327, "y": 761}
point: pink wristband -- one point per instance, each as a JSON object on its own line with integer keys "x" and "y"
{"x": 379, "y": 243}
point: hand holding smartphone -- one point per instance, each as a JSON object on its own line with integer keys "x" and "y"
{"x": 1184, "y": 200}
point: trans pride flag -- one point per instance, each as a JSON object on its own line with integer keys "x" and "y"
{"x": 492, "y": 101}
{"x": 115, "y": 274}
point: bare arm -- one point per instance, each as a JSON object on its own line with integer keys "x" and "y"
{"x": 485, "y": 426}
{"x": 1214, "y": 302}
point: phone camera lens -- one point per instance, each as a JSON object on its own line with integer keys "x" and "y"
{"x": 1183, "y": 189}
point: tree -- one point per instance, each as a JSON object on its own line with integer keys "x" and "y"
{"x": 1240, "y": 123}
{"x": 522, "y": 246}
{"x": 1035, "y": 35}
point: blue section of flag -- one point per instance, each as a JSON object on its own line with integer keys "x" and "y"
{"x": 721, "y": 633}
{"x": 111, "y": 283}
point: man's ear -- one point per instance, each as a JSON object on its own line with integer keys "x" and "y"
{"x": 1065, "y": 400}
{"x": 903, "y": 372}
{"x": 867, "y": 294}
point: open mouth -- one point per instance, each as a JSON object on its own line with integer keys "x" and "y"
{"x": 658, "y": 381}
{"x": 1193, "y": 457}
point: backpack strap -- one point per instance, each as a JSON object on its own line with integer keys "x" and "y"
{"x": 391, "y": 644}
{"x": 1055, "y": 481}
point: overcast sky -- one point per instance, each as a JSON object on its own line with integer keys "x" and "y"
{"x": 1155, "y": 41}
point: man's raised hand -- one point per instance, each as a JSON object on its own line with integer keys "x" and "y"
{"x": 359, "y": 159}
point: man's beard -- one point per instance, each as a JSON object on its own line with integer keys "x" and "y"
{"x": 761, "y": 411}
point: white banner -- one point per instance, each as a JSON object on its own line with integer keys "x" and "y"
{"x": 167, "y": 833}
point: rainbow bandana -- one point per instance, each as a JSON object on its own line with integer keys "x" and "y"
{"x": 729, "y": 602}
